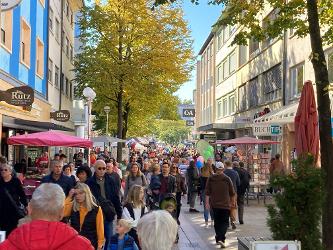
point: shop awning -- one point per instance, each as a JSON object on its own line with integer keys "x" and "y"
{"x": 284, "y": 115}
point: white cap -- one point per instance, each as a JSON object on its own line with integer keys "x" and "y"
{"x": 219, "y": 165}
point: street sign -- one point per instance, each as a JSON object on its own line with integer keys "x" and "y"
{"x": 188, "y": 112}
{"x": 18, "y": 96}
{"x": 61, "y": 115}
{"x": 9, "y": 4}
{"x": 267, "y": 130}
{"x": 190, "y": 123}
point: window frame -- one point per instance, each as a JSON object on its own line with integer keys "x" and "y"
{"x": 6, "y": 27}
{"x": 294, "y": 85}
{"x": 56, "y": 76}
{"x": 26, "y": 48}
{"x": 50, "y": 71}
{"x": 39, "y": 58}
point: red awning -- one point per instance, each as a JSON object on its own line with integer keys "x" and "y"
{"x": 49, "y": 138}
{"x": 246, "y": 140}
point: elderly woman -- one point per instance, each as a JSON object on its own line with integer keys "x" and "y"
{"x": 157, "y": 230}
{"x": 11, "y": 198}
{"x": 45, "y": 231}
{"x": 86, "y": 216}
{"x": 135, "y": 177}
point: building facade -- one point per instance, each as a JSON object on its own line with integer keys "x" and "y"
{"x": 23, "y": 61}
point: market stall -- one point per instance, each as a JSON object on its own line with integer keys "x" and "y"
{"x": 45, "y": 139}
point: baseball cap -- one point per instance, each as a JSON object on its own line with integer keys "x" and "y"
{"x": 219, "y": 165}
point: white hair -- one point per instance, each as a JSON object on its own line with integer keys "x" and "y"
{"x": 157, "y": 230}
{"x": 5, "y": 165}
{"x": 48, "y": 200}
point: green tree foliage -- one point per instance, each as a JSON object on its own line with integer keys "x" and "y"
{"x": 134, "y": 58}
{"x": 169, "y": 131}
{"x": 297, "y": 212}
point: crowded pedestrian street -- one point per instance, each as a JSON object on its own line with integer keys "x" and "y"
{"x": 166, "y": 124}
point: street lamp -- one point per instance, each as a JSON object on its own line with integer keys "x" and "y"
{"x": 107, "y": 111}
{"x": 90, "y": 95}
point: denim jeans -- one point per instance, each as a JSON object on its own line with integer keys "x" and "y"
{"x": 206, "y": 211}
{"x": 108, "y": 232}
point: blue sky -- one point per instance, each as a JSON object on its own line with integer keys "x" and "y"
{"x": 200, "y": 18}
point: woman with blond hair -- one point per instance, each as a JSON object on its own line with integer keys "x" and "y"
{"x": 134, "y": 209}
{"x": 135, "y": 177}
{"x": 86, "y": 216}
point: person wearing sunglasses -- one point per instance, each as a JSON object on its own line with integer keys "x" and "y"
{"x": 11, "y": 197}
{"x": 105, "y": 190}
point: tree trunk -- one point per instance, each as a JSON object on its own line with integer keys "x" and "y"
{"x": 125, "y": 119}
{"x": 324, "y": 111}
{"x": 120, "y": 123}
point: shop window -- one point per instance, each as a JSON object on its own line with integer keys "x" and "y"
{"x": 56, "y": 76}
{"x": 25, "y": 43}
{"x": 242, "y": 98}
{"x": 232, "y": 104}
{"x": 296, "y": 80}
{"x": 272, "y": 83}
{"x": 7, "y": 29}
{"x": 50, "y": 71}
{"x": 253, "y": 92}
{"x": 39, "y": 58}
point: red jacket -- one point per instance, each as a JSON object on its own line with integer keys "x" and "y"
{"x": 45, "y": 235}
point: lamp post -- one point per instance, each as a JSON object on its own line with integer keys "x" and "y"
{"x": 107, "y": 111}
{"x": 90, "y": 95}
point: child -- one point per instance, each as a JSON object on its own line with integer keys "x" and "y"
{"x": 121, "y": 240}
{"x": 169, "y": 204}
{"x": 153, "y": 194}
{"x": 134, "y": 209}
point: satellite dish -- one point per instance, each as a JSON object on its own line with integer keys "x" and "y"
{"x": 9, "y": 4}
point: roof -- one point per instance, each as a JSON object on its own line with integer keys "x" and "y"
{"x": 204, "y": 46}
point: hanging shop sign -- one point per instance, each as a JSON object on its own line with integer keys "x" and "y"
{"x": 18, "y": 96}
{"x": 9, "y": 4}
{"x": 267, "y": 130}
{"x": 186, "y": 111}
{"x": 61, "y": 115}
{"x": 190, "y": 123}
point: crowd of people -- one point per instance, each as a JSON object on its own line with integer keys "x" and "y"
{"x": 111, "y": 205}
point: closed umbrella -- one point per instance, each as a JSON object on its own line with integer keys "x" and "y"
{"x": 306, "y": 123}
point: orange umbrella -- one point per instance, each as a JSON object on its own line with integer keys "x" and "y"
{"x": 306, "y": 123}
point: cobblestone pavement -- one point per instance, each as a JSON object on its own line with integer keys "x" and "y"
{"x": 194, "y": 235}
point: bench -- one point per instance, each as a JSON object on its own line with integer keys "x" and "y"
{"x": 244, "y": 243}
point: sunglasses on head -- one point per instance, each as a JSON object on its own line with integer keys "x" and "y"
{"x": 101, "y": 168}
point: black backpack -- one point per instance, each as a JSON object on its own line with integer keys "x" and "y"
{"x": 108, "y": 209}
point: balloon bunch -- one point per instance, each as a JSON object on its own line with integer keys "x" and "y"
{"x": 200, "y": 162}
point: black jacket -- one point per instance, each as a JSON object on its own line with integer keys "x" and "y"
{"x": 65, "y": 182}
{"x": 172, "y": 185}
{"x": 111, "y": 192}
{"x": 244, "y": 178}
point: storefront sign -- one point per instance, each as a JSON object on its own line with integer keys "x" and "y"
{"x": 9, "y": 4}
{"x": 189, "y": 123}
{"x": 19, "y": 96}
{"x": 61, "y": 115}
{"x": 188, "y": 112}
{"x": 267, "y": 130}
{"x": 243, "y": 120}
{"x": 209, "y": 137}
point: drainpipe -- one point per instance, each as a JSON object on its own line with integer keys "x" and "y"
{"x": 61, "y": 46}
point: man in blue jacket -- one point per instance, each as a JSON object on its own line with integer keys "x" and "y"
{"x": 103, "y": 187}
{"x": 57, "y": 177}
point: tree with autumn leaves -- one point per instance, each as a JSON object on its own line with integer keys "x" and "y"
{"x": 134, "y": 58}
{"x": 312, "y": 18}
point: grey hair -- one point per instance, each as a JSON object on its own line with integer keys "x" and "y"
{"x": 56, "y": 162}
{"x": 157, "y": 230}
{"x": 5, "y": 165}
{"x": 48, "y": 200}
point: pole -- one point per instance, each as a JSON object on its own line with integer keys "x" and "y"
{"x": 89, "y": 112}
{"x": 61, "y": 46}
{"x": 107, "y": 123}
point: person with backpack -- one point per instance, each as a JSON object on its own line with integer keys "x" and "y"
{"x": 86, "y": 217}
{"x": 134, "y": 209}
{"x": 121, "y": 240}
{"x": 135, "y": 177}
{"x": 245, "y": 178}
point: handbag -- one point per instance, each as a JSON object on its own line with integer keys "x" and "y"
{"x": 20, "y": 209}
{"x": 108, "y": 209}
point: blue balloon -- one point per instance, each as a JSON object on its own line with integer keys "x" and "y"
{"x": 199, "y": 164}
